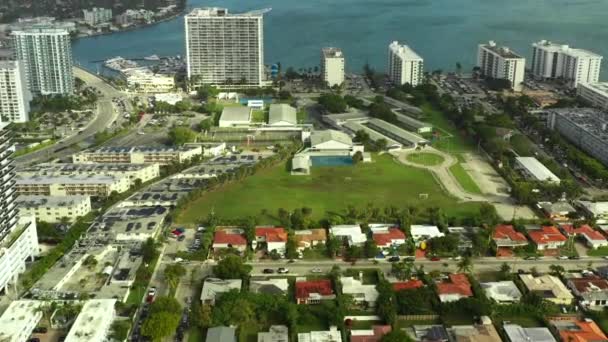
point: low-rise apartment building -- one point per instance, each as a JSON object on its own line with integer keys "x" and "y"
{"x": 143, "y": 172}
{"x": 138, "y": 155}
{"x": 143, "y": 80}
{"x": 594, "y": 93}
{"x": 97, "y": 186}
{"x": 54, "y": 209}
{"x": 591, "y": 289}
{"x": 19, "y": 246}
{"x": 19, "y": 320}
{"x": 94, "y": 321}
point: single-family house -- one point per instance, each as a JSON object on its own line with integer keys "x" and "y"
{"x": 212, "y": 287}
{"x": 221, "y": 334}
{"x": 310, "y": 238}
{"x": 585, "y": 330}
{"x": 482, "y": 332}
{"x": 233, "y": 238}
{"x": 407, "y": 285}
{"x": 314, "y": 291}
{"x": 350, "y": 234}
{"x": 331, "y": 335}
{"x": 370, "y": 335}
{"x": 276, "y": 333}
{"x": 281, "y": 114}
{"x": 502, "y": 291}
{"x": 556, "y": 211}
{"x": 465, "y": 236}
{"x": 595, "y": 210}
{"x": 275, "y": 238}
{"x": 548, "y": 287}
{"x": 593, "y": 238}
{"x": 547, "y": 237}
{"x": 362, "y": 294}
{"x": 591, "y": 290}
{"x": 271, "y": 286}
{"x": 517, "y": 333}
{"x": 428, "y": 333}
{"x": 392, "y": 237}
{"x": 422, "y": 233}
{"x": 506, "y": 238}
{"x": 456, "y": 287}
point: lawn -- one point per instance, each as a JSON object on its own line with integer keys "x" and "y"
{"x": 248, "y": 332}
{"x": 465, "y": 180}
{"x": 312, "y": 318}
{"x": 382, "y": 183}
{"x": 602, "y": 251}
{"x": 522, "y": 145}
{"x": 424, "y": 158}
{"x": 259, "y": 116}
{"x": 195, "y": 335}
{"x": 454, "y": 144}
{"x": 302, "y": 116}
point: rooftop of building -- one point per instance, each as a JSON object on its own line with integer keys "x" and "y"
{"x": 546, "y": 285}
{"x": 50, "y": 30}
{"x": 355, "y": 126}
{"x": 8, "y": 64}
{"x": 213, "y": 286}
{"x": 271, "y": 234}
{"x": 546, "y": 234}
{"x": 558, "y": 207}
{"x": 586, "y": 230}
{"x": 230, "y": 238}
{"x": 404, "y": 51}
{"x": 502, "y": 51}
{"x": 142, "y": 149}
{"x": 396, "y": 130}
{"x": 13, "y": 321}
{"x": 88, "y": 322}
{"x": 600, "y": 87}
{"x": 537, "y": 169}
{"x": 566, "y": 49}
{"x": 589, "y": 283}
{"x": 591, "y": 120}
{"x": 502, "y": 291}
{"x": 418, "y": 230}
{"x": 236, "y": 113}
{"x": 579, "y": 330}
{"x": 407, "y": 285}
{"x": 319, "y": 137}
{"x": 306, "y": 288}
{"x": 484, "y": 332}
{"x": 517, "y": 333}
{"x": 457, "y": 283}
{"x": 64, "y": 179}
{"x": 50, "y": 201}
{"x": 508, "y": 232}
{"x": 72, "y": 168}
{"x": 272, "y": 286}
{"x": 387, "y": 237}
{"x": 208, "y": 12}
{"x": 281, "y": 112}
{"x": 332, "y": 52}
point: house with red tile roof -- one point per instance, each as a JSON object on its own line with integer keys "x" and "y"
{"x": 591, "y": 290}
{"x": 310, "y": 238}
{"x": 592, "y": 237}
{"x": 547, "y": 237}
{"x": 575, "y": 330}
{"x": 407, "y": 285}
{"x": 313, "y": 291}
{"x": 372, "y": 335}
{"x": 392, "y": 237}
{"x": 230, "y": 238}
{"x": 506, "y": 238}
{"x": 275, "y": 238}
{"x": 454, "y": 288}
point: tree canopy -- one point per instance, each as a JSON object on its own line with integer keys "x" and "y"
{"x": 232, "y": 267}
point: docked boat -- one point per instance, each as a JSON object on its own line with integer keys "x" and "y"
{"x": 152, "y": 58}
{"x": 119, "y": 64}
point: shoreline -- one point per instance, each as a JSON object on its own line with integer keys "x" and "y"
{"x": 137, "y": 27}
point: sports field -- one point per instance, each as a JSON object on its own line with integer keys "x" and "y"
{"x": 382, "y": 183}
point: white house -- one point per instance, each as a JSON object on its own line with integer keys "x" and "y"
{"x": 424, "y": 232}
{"x": 93, "y": 322}
{"x": 351, "y": 233}
{"x": 213, "y": 287}
{"x": 331, "y": 335}
{"x": 502, "y": 291}
{"x": 361, "y": 293}
{"x": 275, "y": 238}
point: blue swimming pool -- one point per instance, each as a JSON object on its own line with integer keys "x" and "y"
{"x": 331, "y": 160}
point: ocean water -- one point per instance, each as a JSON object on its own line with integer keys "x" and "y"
{"x": 443, "y": 32}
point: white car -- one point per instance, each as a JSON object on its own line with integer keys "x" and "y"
{"x": 283, "y": 270}
{"x": 316, "y": 270}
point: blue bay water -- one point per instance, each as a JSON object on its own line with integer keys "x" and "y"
{"x": 443, "y": 32}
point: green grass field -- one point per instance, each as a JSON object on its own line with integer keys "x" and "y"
{"x": 423, "y": 158}
{"x": 455, "y": 144}
{"x": 383, "y": 183}
{"x": 465, "y": 180}
{"x": 258, "y": 116}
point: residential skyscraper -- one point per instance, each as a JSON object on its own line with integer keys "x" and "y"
{"x": 46, "y": 55}
{"x": 332, "y": 66}
{"x": 225, "y": 49}
{"x": 557, "y": 61}
{"x": 500, "y": 62}
{"x": 97, "y": 15}
{"x": 404, "y": 65}
{"x": 14, "y": 95}
{"x": 18, "y": 238}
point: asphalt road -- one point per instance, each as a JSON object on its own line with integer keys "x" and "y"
{"x": 104, "y": 117}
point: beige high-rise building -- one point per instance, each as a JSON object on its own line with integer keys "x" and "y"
{"x": 224, "y": 49}
{"x": 500, "y": 62}
{"x": 404, "y": 65}
{"x": 14, "y": 96}
{"x": 332, "y": 66}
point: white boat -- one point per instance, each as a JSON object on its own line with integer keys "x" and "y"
{"x": 152, "y": 58}
{"x": 119, "y": 64}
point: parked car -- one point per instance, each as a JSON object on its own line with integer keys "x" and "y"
{"x": 283, "y": 270}
{"x": 151, "y": 294}
{"x": 393, "y": 259}
{"x": 316, "y": 270}
{"x": 435, "y": 258}
{"x": 40, "y": 330}
{"x": 268, "y": 271}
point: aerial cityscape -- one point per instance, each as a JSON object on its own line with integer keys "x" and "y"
{"x": 176, "y": 170}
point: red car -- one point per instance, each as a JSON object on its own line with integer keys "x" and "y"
{"x": 151, "y": 295}
{"x": 435, "y": 258}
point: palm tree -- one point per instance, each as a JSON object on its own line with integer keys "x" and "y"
{"x": 465, "y": 265}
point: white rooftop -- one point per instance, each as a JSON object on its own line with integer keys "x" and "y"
{"x": 93, "y": 322}
{"x": 212, "y": 287}
{"x": 502, "y": 291}
{"x": 332, "y": 335}
{"x": 319, "y": 137}
{"x": 236, "y": 114}
{"x": 352, "y": 232}
{"x": 332, "y": 52}
{"x": 17, "y": 320}
{"x": 516, "y": 333}
{"x": 425, "y": 231}
{"x": 74, "y": 179}
{"x": 600, "y": 87}
{"x": 537, "y": 169}
{"x": 597, "y": 208}
{"x": 404, "y": 51}
{"x": 282, "y": 113}
{"x": 360, "y": 292}
{"x": 49, "y": 201}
